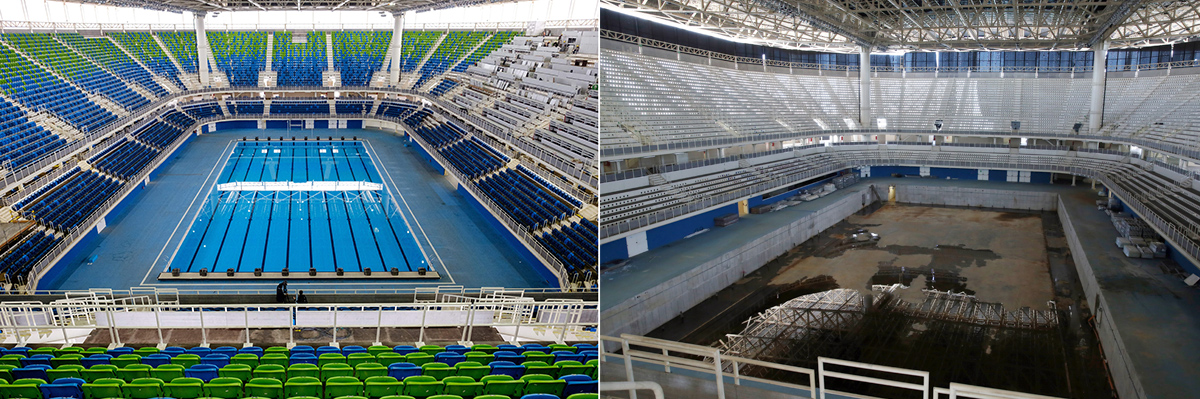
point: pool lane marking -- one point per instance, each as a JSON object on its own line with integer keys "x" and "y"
{"x": 184, "y": 216}
{"x": 418, "y": 223}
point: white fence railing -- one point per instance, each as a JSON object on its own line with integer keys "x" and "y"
{"x": 633, "y": 352}
{"x": 559, "y": 319}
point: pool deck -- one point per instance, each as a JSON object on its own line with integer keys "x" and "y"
{"x": 1156, "y": 314}
{"x": 140, "y": 240}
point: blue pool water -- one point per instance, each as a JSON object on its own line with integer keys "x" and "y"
{"x": 267, "y": 228}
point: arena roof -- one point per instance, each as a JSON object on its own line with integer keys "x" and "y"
{"x": 888, "y": 25}
{"x": 201, "y": 6}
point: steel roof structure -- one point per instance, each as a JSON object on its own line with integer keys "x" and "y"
{"x": 929, "y": 25}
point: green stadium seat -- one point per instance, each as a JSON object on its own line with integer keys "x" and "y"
{"x": 64, "y": 371}
{"x": 419, "y": 358}
{"x": 302, "y": 386}
{"x": 332, "y": 370}
{"x": 479, "y": 356}
{"x": 95, "y": 350}
{"x": 375, "y": 350}
{"x": 568, "y": 367}
{"x": 445, "y": 396}
{"x": 276, "y": 350}
{"x": 26, "y": 388}
{"x": 184, "y": 388}
{"x": 378, "y": 387}
{"x": 387, "y": 358}
{"x": 422, "y": 386}
{"x": 367, "y": 370}
{"x": 581, "y": 396}
{"x": 271, "y": 371}
{"x": 343, "y": 386}
{"x": 186, "y": 360}
{"x": 437, "y": 370}
{"x": 595, "y": 363}
{"x": 351, "y": 397}
{"x": 488, "y": 349}
{"x": 98, "y": 371}
{"x": 303, "y": 370}
{"x": 144, "y": 388}
{"x": 462, "y": 386}
{"x": 66, "y": 359}
{"x": 431, "y": 349}
{"x": 13, "y": 360}
{"x": 239, "y": 371}
{"x": 561, "y": 347}
{"x": 248, "y": 359}
{"x": 104, "y": 388}
{"x": 359, "y": 358}
{"x": 492, "y": 397}
{"x": 330, "y": 358}
{"x": 145, "y": 350}
{"x": 224, "y": 387}
{"x": 538, "y": 357}
{"x": 4, "y": 371}
{"x": 540, "y": 367}
{"x": 541, "y": 383}
{"x": 265, "y": 388}
{"x": 167, "y": 372}
{"x": 395, "y": 397}
{"x": 45, "y": 350}
{"x": 70, "y": 350}
{"x": 126, "y": 360}
{"x": 472, "y": 369}
{"x": 502, "y": 385}
{"x": 133, "y": 372}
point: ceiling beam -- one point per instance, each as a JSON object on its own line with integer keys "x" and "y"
{"x": 784, "y": 8}
{"x": 1114, "y": 20}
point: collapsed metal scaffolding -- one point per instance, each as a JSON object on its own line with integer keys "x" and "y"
{"x": 954, "y": 336}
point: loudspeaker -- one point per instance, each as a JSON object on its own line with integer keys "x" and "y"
{"x": 229, "y": 272}
{"x": 395, "y": 271}
{"x": 341, "y": 272}
{"x": 312, "y": 271}
{"x": 421, "y": 271}
{"x": 175, "y": 272}
{"x": 203, "y": 272}
{"x": 286, "y": 272}
{"x": 257, "y": 271}
{"x": 367, "y": 271}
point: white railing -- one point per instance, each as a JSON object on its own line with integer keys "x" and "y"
{"x": 560, "y": 318}
{"x": 219, "y": 290}
{"x": 662, "y": 355}
{"x": 672, "y": 355}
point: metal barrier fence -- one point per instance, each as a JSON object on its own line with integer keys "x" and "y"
{"x": 90, "y": 312}
{"x": 711, "y": 363}
{"x": 212, "y": 26}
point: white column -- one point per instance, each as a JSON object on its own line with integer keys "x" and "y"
{"x": 1099, "y": 63}
{"x": 202, "y": 50}
{"x": 397, "y": 41}
{"x": 864, "y": 87}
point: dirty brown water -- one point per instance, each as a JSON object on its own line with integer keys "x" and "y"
{"x": 1015, "y": 258}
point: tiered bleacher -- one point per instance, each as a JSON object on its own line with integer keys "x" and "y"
{"x": 37, "y": 89}
{"x": 574, "y": 245}
{"x": 183, "y": 48}
{"x": 305, "y": 107}
{"x": 448, "y": 53}
{"x": 530, "y": 204}
{"x": 246, "y": 107}
{"x": 414, "y": 47}
{"x": 79, "y": 70}
{"x": 103, "y": 51}
{"x": 202, "y": 110}
{"x": 357, "y": 55}
{"x": 22, "y": 140}
{"x": 530, "y": 371}
{"x": 71, "y": 201}
{"x": 352, "y": 107}
{"x": 240, "y": 55}
{"x": 498, "y": 39}
{"x": 21, "y": 252}
{"x": 444, "y": 86}
{"x": 159, "y": 135}
{"x": 299, "y": 64}
{"x": 125, "y": 159}
{"x": 145, "y": 49}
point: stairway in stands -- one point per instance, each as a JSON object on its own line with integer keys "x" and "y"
{"x": 407, "y": 81}
{"x": 191, "y": 80}
{"x": 100, "y": 100}
{"x": 433, "y": 81}
{"x": 162, "y": 81}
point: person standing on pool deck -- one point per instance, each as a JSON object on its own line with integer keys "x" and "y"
{"x": 281, "y": 292}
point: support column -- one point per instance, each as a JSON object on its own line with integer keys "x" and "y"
{"x": 1099, "y": 63}
{"x": 397, "y": 41}
{"x": 864, "y": 87}
{"x": 202, "y": 50}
